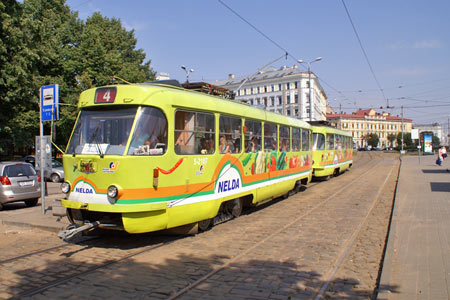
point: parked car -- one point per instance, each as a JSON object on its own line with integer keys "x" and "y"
{"x": 56, "y": 174}
{"x": 29, "y": 159}
{"x": 19, "y": 182}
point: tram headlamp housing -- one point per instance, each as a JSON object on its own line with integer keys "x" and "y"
{"x": 113, "y": 191}
{"x": 65, "y": 187}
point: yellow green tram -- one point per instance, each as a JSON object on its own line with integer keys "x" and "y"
{"x": 147, "y": 157}
{"x": 332, "y": 151}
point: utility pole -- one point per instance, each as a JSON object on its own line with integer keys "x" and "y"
{"x": 402, "y": 130}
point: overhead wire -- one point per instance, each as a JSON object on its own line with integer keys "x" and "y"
{"x": 365, "y": 54}
{"x": 287, "y": 53}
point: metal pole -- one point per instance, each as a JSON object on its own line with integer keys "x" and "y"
{"x": 402, "y": 129}
{"x": 41, "y": 156}
{"x": 310, "y": 95}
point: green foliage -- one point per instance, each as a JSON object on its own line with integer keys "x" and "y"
{"x": 373, "y": 139}
{"x": 407, "y": 141}
{"x": 42, "y": 43}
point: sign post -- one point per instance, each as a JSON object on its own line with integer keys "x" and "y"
{"x": 415, "y": 136}
{"x": 49, "y": 111}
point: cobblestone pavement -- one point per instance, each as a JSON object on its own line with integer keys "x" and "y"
{"x": 326, "y": 241}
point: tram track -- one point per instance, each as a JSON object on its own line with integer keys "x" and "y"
{"x": 249, "y": 250}
{"x": 127, "y": 255}
{"x": 92, "y": 269}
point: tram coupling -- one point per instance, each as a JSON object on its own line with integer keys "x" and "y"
{"x": 73, "y": 229}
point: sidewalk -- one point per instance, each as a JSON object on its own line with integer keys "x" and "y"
{"x": 18, "y": 214}
{"x": 417, "y": 261}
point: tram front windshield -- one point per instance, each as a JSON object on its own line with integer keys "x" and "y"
{"x": 102, "y": 132}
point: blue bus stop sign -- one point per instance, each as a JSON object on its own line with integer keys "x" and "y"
{"x": 49, "y": 102}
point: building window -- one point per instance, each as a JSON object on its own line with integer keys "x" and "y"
{"x": 272, "y": 101}
{"x": 288, "y": 85}
{"x": 280, "y": 101}
{"x": 279, "y": 87}
{"x": 296, "y": 98}
{"x": 288, "y": 99}
{"x": 288, "y": 112}
{"x": 272, "y": 88}
{"x": 296, "y": 84}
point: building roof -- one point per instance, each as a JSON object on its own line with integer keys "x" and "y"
{"x": 362, "y": 113}
{"x": 267, "y": 74}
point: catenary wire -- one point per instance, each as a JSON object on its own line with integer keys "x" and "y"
{"x": 365, "y": 54}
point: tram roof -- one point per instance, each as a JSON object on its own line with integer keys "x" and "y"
{"x": 329, "y": 129}
{"x": 162, "y": 95}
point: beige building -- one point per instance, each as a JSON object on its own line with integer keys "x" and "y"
{"x": 364, "y": 122}
{"x": 285, "y": 91}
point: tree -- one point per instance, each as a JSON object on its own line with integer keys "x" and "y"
{"x": 391, "y": 138}
{"x": 107, "y": 50}
{"x": 373, "y": 139}
{"x": 436, "y": 142}
{"x": 43, "y": 42}
{"x": 407, "y": 141}
{"x": 13, "y": 68}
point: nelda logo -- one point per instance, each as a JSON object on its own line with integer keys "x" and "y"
{"x": 83, "y": 188}
{"x": 229, "y": 181}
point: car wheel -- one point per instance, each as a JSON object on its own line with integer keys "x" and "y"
{"x": 55, "y": 178}
{"x": 31, "y": 202}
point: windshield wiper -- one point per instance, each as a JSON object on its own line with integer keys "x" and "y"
{"x": 96, "y": 143}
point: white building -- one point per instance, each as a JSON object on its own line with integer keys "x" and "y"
{"x": 285, "y": 91}
{"x": 435, "y": 128}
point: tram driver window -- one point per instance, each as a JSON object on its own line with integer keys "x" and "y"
{"x": 318, "y": 141}
{"x": 150, "y": 133}
{"x": 194, "y": 133}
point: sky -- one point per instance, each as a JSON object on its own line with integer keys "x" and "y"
{"x": 404, "y": 60}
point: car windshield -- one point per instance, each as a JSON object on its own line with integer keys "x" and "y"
{"x": 18, "y": 170}
{"x": 56, "y": 164}
{"x": 104, "y": 131}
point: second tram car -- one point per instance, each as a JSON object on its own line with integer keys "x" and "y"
{"x": 147, "y": 157}
{"x": 332, "y": 151}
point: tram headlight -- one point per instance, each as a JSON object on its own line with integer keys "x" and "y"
{"x": 65, "y": 187}
{"x": 113, "y": 191}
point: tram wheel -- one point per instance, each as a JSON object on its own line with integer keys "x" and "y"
{"x": 234, "y": 207}
{"x": 204, "y": 225}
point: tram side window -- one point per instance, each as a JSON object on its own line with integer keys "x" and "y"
{"x": 330, "y": 141}
{"x": 252, "y": 135}
{"x": 296, "y": 139}
{"x": 318, "y": 141}
{"x": 194, "y": 133}
{"x": 285, "y": 144}
{"x": 270, "y": 137}
{"x": 230, "y": 132}
{"x": 150, "y": 133}
{"x": 305, "y": 140}
{"x": 337, "y": 142}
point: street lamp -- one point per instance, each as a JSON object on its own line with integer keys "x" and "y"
{"x": 187, "y": 72}
{"x": 310, "y": 94}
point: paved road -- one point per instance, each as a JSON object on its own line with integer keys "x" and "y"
{"x": 326, "y": 241}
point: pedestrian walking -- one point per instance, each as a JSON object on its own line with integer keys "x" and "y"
{"x": 444, "y": 152}
{"x": 439, "y": 158}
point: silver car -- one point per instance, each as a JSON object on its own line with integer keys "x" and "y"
{"x": 56, "y": 174}
{"x": 18, "y": 182}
